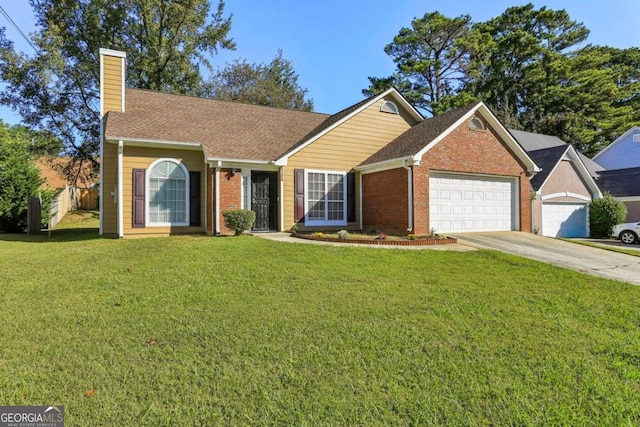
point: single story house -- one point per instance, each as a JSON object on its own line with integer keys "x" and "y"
{"x": 172, "y": 164}
{"x": 563, "y": 189}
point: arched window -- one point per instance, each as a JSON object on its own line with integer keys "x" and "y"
{"x": 167, "y": 184}
{"x": 389, "y": 107}
{"x": 476, "y": 124}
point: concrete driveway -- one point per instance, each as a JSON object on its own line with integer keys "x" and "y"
{"x": 596, "y": 261}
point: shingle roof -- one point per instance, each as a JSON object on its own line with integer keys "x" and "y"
{"x": 547, "y": 159}
{"x": 593, "y": 168}
{"x": 52, "y": 171}
{"x": 226, "y": 130}
{"x": 534, "y": 141}
{"x": 418, "y": 137}
{"x": 620, "y": 182}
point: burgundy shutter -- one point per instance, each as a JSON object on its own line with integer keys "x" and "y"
{"x": 194, "y": 199}
{"x": 351, "y": 197}
{"x": 138, "y": 198}
{"x": 299, "y": 193}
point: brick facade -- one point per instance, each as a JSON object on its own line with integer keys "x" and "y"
{"x": 464, "y": 151}
{"x": 385, "y": 201}
{"x": 230, "y": 197}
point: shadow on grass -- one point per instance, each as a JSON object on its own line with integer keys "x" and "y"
{"x": 59, "y": 235}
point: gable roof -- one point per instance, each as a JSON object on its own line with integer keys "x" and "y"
{"x": 547, "y": 159}
{"x": 621, "y": 182}
{"x": 415, "y": 142}
{"x": 224, "y": 130}
{"x": 593, "y": 168}
{"x": 535, "y": 141}
{"x": 618, "y": 140}
{"x": 344, "y": 115}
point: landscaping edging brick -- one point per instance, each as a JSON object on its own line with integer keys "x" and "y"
{"x": 385, "y": 242}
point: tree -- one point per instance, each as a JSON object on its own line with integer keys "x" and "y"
{"x": 432, "y": 59}
{"x": 56, "y": 89}
{"x": 274, "y": 84}
{"x": 523, "y": 60}
{"x": 19, "y": 178}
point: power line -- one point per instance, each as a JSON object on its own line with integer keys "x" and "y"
{"x": 8, "y": 18}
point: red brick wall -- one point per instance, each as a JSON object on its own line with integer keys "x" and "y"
{"x": 384, "y": 201}
{"x": 230, "y": 197}
{"x": 470, "y": 151}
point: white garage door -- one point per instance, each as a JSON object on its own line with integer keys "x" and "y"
{"x": 462, "y": 203}
{"x": 564, "y": 220}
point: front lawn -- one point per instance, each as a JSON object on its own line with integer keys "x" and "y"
{"x": 244, "y": 331}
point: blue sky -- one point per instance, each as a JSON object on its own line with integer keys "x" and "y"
{"x": 335, "y": 45}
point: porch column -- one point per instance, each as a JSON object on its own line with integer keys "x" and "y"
{"x": 120, "y": 191}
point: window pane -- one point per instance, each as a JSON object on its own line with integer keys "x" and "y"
{"x": 167, "y": 193}
{"x": 325, "y": 196}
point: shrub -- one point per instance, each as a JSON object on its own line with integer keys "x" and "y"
{"x": 239, "y": 220}
{"x": 411, "y": 236}
{"x": 19, "y": 179}
{"x": 604, "y": 213}
{"x": 343, "y": 234}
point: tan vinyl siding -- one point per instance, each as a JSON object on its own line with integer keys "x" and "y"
{"x": 107, "y": 186}
{"x": 112, "y": 83}
{"x": 345, "y": 147}
{"x": 141, "y": 158}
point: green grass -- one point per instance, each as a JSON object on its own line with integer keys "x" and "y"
{"x": 618, "y": 249}
{"x": 244, "y": 331}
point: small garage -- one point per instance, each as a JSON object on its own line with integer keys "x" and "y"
{"x": 467, "y": 203}
{"x": 565, "y": 219}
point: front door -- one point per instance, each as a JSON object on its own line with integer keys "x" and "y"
{"x": 264, "y": 200}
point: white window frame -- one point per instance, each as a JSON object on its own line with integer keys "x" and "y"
{"x": 149, "y": 223}
{"x": 245, "y": 190}
{"x": 325, "y": 222}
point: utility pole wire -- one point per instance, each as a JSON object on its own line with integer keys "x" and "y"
{"x": 8, "y": 18}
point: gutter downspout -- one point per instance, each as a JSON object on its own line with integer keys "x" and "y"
{"x": 409, "y": 194}
{"x": 360, "y": 197}
{"x": 120, "y": 195}
{"x": 216, "y": 185}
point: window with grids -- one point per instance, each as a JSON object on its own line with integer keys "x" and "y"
{"x": 167, "y": 184}
{"x": 326, "y": 198}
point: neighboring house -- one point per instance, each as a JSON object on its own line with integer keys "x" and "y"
{"x": 69, "y": 195}
{"x": 563, "y": 189}
{"x": 624, "y": 184}
{"x": 623, "y": 153}
{"x": 620, "y": 176}
{"x": 172, "y": 164}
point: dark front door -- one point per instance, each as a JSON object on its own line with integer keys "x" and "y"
{"x": 264, "y": 200}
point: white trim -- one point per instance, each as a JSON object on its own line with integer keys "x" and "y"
{"x": 328, "y": 223}
{"x": 111, "y": 52}
{"x": 237, "y": 161}
{"x": 216, "y": 186}
{"x": 386, "y": 165}
{"x": 139, "y": 142}
{"x": 495, "y": 124}
{"x": 123, "y": 66}
{"x": 392, "y": 91}
{"x": 409, "y": 197}
{"x": 147, "y": 197}
{"x": 629, "y": 199}
{"x": 571, "y": 155}
{"x": 360, "y": 196}
{"x": 245, "y": 174}
{"x": 120, "y": 190}
{"x": 102, "y": 186}
{"x": 281, "y": 197}
{"x": 565, "y": 194}
{"x": 620, "y": 138}
{"x": 515, "y": 191}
